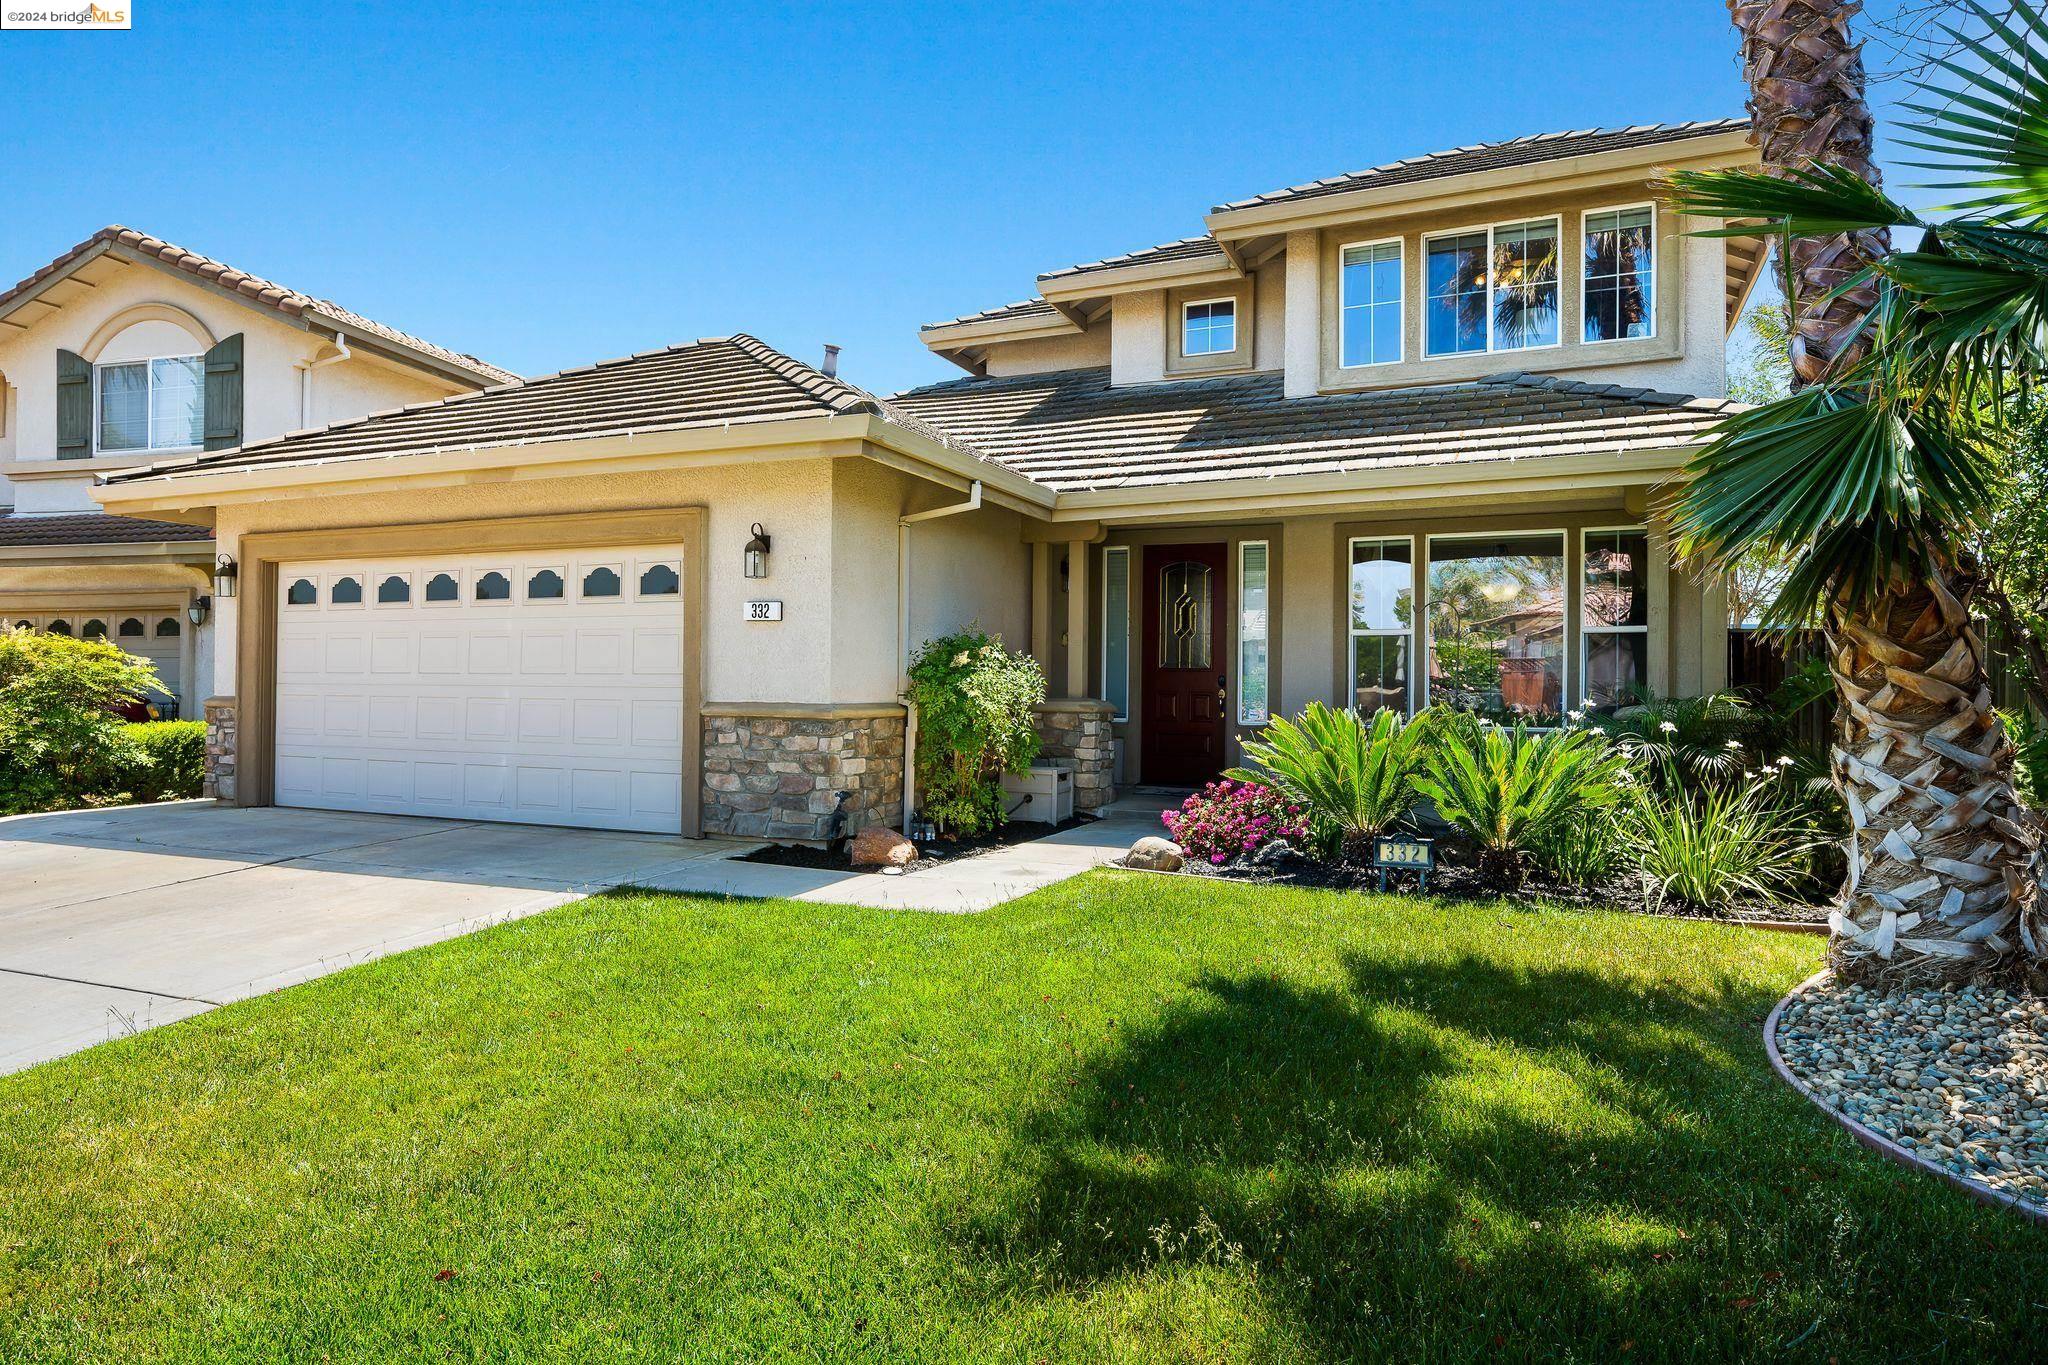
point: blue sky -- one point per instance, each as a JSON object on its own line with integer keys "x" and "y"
{"x": 550, "y": 185}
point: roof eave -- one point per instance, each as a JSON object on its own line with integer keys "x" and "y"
{"x": 1563, "y": 173}
{"x": 1125, "y": 279}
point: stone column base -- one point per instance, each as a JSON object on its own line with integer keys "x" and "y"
{"x": 1076, "y": 733}
{"x": 778, "y": 771}
{"x": 220, "y": 749}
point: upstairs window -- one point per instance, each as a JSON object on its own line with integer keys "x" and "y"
{"x": 1209, "y": 328}
{"x": 1371, "y": 304}
{"x": 1621, "y": 274}
{"x": 152, "y": 404}
{"x": 1491, "y": 289}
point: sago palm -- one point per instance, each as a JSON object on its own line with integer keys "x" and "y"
{"x": 1871, "y": 480}
{"x": 1513, "y": 793}
{"x": 1352, "y": 774}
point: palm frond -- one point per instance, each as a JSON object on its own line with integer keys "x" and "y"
{"x": 1807, "y": 201}
{"x": 1988, "y": 122}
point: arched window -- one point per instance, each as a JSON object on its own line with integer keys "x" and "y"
{"x": 60, "y": 627}
{"x": 95, "y": 629}
{"x": 24, "y": 625}
{"x": 443, "y": 588}
{"x": 167, "y": 629}
{"x": 545, "y": 584}
{"x": 493, "y": 587}
{"x": 301, "y": 593}
{"x": 601, "y": 583}
{"x": 396, "y": 588}
{"x": 347, "y": 591}
{"x": 660, "y": 580}
{"x": 131, "y": 628}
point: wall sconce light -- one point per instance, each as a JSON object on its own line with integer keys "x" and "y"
{"x": 757, "y": 553}
{"x": 200, "y": 608}
{"x": 224, "y": 575}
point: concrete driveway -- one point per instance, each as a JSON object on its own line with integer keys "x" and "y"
{"x": 121, "y": 920}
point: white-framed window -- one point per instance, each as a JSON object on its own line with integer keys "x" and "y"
{"x": 394, "y": 590}
{"x": 1614, "y": 615}
{"x": 1494, "y": 604}
{"x": 1619, "y": 279}
{"x": 1491, "y": 289}
{"x": 601, "y": 580}
{"x": 157, "y": 404}
{"x": 443, "y": 589}
{"x": 302, "y": 592}
{"x": 1254, "y": 631}
{"x": 1208, "y": 327}
{"x": 346, "y": 590}
{"x": 1381, "y": 615}
{"x": 1369, "y": 304}
{"x": 492, "y": 585}
{"x": 1116, "y": 629}
{"x": 544, "y": 585}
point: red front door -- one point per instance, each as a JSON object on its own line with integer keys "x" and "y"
{"x": 1184, "y": 682}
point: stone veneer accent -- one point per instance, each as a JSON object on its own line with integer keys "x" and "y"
{"x": 776, "y": 772}
{"x": 220, "y": 748}
{"x": 1076, "y": 733}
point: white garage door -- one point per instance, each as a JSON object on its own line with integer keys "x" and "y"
{"x": 533, "y": 688}
{"x": 157, "y": 636}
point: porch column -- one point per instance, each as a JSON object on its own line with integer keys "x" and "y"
{"x": 1041, "y": 605}
{"x": 1714, "y": 635}
{"x": 1659, "y": 641}
{"x": 1077, "y": 618}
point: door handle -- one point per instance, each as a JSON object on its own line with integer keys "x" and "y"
{"x": 1222, "y": 692}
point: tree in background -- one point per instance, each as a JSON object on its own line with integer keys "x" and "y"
{"x": 1877, "y": 470}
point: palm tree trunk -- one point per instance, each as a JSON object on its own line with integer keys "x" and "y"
{"x": 1806, "y": 104}
{"x": 1939, "y": 886}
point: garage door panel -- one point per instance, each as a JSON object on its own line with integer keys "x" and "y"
{"x": 542, "y": 708}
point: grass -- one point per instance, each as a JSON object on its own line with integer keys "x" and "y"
{"x": 1128, "y": 1117}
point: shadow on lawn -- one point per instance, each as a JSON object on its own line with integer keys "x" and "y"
{"x": 1378, "y": 1157}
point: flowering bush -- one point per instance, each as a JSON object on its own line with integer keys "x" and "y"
{"x": 1229, "y": 819}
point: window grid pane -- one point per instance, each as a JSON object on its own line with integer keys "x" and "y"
{"x": 1209, "y": 328}
{"x": 1525, "y": 286}
{"x": 1372, "y": 304}
{"x": 1620, "y": 275}
{"x": 177, "y": 402}
{"x": 1251, "y": 633}
{"x": 1455, "y": 314}
{"x": 1382, "y": 622}
{"x": 124, "y": 407}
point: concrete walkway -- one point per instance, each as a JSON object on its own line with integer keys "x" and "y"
{"x": 120, "y": 920}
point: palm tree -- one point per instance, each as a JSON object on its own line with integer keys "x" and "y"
{"x": 1871, "y": 478}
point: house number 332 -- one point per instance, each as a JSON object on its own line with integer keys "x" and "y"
{"x": 764, "y": 611}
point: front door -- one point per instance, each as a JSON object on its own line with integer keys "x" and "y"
{"x": 1184, "y": 683}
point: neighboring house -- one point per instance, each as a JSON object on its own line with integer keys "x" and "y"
{"x": 126, "y": 350}
{"x": 1205, "y": 484}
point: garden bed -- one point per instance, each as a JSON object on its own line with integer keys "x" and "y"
{"x": 935, "y": 853}
{"x": 1456, "y": 880}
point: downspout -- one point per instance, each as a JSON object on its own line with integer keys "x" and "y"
{"x": 306, "y": 368}
{"x": 903, "y": 525}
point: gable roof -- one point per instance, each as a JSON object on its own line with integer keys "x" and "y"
{"x": 252, "y": 288}
{"x": 1186, "y": 249}
{"x": 717, "y": 381}
{"x": 1071, "y": 431}
{"x": 1487, "y": 156}
{"x": 1018, "y": 311}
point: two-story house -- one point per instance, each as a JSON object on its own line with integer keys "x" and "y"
{"x": 126, "y": 350}
{"x": 1387, "y": 439}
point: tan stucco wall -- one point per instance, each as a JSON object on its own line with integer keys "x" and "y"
{"x": 1086, "y": 350}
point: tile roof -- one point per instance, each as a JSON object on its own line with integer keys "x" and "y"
{"x": 1071, "y": 431}
{"x": 256, "y": 289}
{"x": 718, "y": 381}
{"x": 1186, "y": 249}
{"x": 92, "y": 528}
{"x": 1023, "y": 308}
{"x": 1488, "y": 156}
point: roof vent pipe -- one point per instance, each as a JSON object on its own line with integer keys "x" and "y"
{"x": 831, "y": 366}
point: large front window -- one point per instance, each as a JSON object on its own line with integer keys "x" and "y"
{"x": 1496, "y": 607}
{"x": 1382, "y": 614}
{"x": 1615, "y": 616}
{"x": 1371, "y": 304}
{"x": 1621, "y": 274}
{"x": 1491, "y": 289}
{"x": 152, "y": 404}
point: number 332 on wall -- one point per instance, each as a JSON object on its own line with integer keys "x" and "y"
{"x": 762, "y": 611}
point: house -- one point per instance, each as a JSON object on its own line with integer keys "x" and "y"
{"x": 126, "y": 350}
{"x": 1391, "y": 435}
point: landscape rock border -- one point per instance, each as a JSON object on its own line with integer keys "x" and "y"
{"x": 1876, "y": 1141}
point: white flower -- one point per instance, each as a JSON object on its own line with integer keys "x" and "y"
{"x": 1784, "y": 760}
{"x": 1734, "y": 744}
{"x": 1576, "y": 715}
{"x": 960, "y": 659}
{"x": 1667, "y": 727}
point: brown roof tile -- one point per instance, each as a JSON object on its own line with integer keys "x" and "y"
{"x": 92, "y": 528}
{"x": 1072, "y": 431}
{"x": 254, "y": 288}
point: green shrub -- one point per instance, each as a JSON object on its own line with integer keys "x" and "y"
{"x": 1514, "y": 794}
{"x": 61, "y": 740}
{"x": 1585, "y": 853}
{"x": 976, "y": 707}
{"x": 1352, "y": 775}
{"x": 2030, "y": 754}
{"x": 1713, "y": 845}
{"x": 173, "y": 766}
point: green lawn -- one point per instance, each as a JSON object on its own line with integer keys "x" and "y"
{"x": 1129, "y": 1117}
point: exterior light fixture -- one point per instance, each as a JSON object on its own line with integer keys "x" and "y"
{"x": 200, "y": 608}
{"x": 224, "y": 575}
{"x": 757, "y": 553}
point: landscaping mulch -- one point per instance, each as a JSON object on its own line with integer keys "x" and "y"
{"x": 935, "y": 853}
{"x": 1958, "y": 1077}
{"x": 1457, "y": 880}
